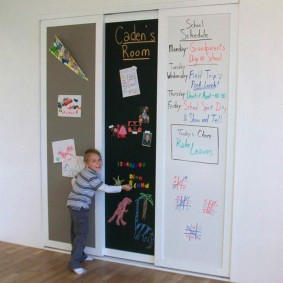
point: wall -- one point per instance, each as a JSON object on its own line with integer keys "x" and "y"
{"x": 257, "y": 238}
{"x": 257, "y": 250}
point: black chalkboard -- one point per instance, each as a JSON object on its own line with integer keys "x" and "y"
{"x": 129, "y": 117}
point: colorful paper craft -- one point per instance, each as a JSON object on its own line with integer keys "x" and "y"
{"x": 64, "y": 56}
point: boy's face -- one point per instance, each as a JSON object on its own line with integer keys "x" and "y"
{"x": 94, "y": 162}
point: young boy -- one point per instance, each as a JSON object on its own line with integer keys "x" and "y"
{"x": 84, "y": 187}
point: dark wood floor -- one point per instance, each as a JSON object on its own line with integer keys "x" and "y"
{"x": 20, "y": 264}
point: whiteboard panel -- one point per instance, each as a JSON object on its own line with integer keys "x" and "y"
{"x": 196, "y": 117}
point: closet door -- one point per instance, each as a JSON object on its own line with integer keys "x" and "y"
{"x": 130, "y": 133}
{"x": 196, "y": 117}
{"x": 69, "y": 117}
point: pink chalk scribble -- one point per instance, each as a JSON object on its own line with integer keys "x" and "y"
{"x": 120, "y": 211}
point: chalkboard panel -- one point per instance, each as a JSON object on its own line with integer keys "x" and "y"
{"x": 130, "y": 133}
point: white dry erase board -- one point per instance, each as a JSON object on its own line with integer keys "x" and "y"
{"x": 196, "y": 138}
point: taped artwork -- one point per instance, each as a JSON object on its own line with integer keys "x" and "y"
{"x": 70, "y": 168}
{"x": 69, "y": 105}
{"x": 63, "y": 150}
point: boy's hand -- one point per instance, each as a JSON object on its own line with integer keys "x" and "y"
{"x": 127, "y": 187}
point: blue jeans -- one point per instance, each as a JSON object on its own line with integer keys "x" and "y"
{"x": 79, "y": 232}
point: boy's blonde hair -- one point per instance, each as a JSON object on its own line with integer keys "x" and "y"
{"x": 90, "y": 151}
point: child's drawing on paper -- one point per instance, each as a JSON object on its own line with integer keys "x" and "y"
{"x": 69, "y": 105}
{"x": 63, "y": 150}
{"x": 70, "y": 168}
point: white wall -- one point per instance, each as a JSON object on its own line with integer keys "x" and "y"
{"x": 257, "y": 250}
{"x": 257, "y": 254}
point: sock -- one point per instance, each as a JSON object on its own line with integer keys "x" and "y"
{"x": 79, "y": 270}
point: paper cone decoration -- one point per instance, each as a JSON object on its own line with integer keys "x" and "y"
{"x": 64, "y": 56}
